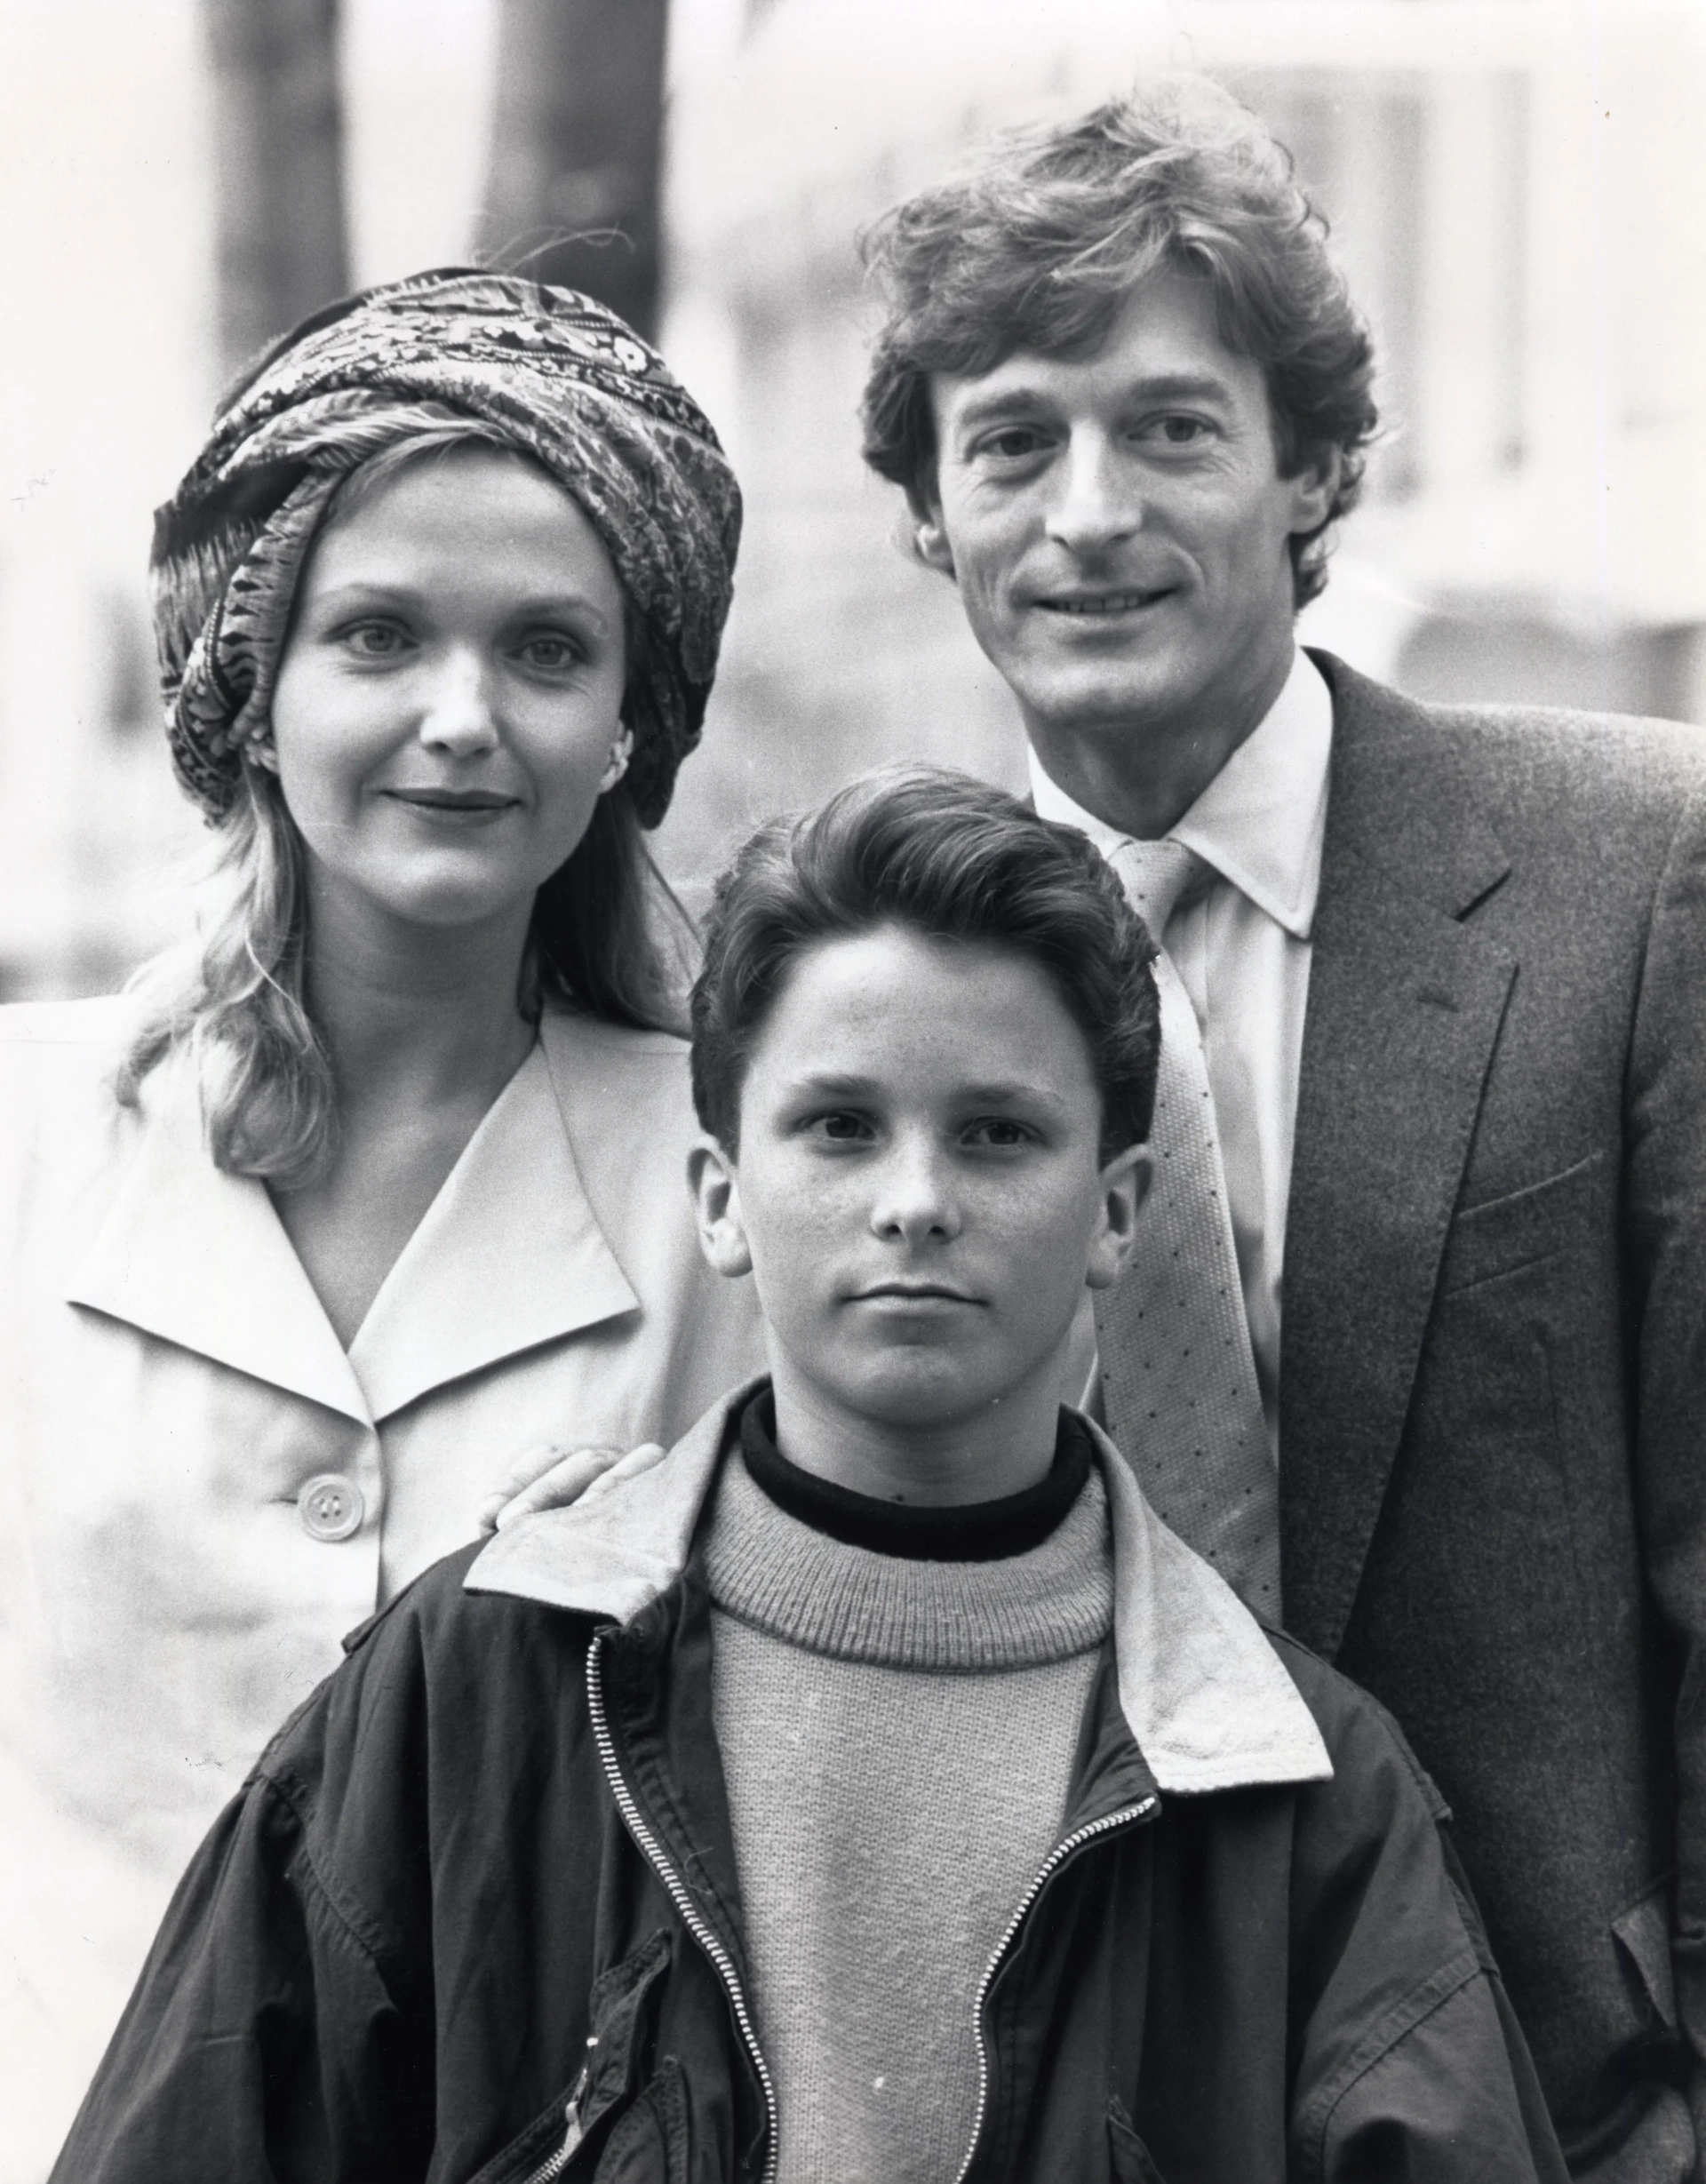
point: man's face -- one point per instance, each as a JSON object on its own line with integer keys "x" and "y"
{"x": 919, "y": 1192}
{"x": 1117, "y": 524}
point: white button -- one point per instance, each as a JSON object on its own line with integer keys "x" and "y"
{"x": 331, "y": 1507}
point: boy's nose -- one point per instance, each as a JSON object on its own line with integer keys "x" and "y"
{"x": 915, "y": 1198}
{"x": 459, "y": 716}
{"x": 1098, "y": 500}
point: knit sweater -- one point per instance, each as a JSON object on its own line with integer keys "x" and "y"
{"x": 897, "y": 1736}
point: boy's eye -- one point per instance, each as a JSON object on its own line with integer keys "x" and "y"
{"x": 1000, "y": 1132}
{"x": 840, "y": 1127}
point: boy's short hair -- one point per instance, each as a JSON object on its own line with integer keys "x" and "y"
{"x": 1040, "y": 247}
{"x": 949, "y": 857}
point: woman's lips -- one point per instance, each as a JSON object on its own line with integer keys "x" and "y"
{"x": 456, "y": 805}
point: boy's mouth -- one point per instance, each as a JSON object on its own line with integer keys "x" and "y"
{"x": 917, "y": 1293}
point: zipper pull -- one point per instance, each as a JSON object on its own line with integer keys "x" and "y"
{"x": 574, "y": 2130}
{"x": 577, "y": 2130}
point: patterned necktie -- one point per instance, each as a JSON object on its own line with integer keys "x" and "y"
{"x": 1178, "y": 1377}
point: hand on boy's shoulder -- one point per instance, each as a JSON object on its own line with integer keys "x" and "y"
{"x": 546, "y": 1475}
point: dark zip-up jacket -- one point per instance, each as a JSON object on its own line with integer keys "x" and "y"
{"x": 475, "y": 1918}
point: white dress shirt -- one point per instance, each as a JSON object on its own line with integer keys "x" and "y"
{"x": 1242, "y": 951}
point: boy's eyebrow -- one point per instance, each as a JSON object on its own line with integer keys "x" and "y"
{"x": 846, "y": 1085}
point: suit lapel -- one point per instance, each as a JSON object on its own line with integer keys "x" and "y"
{"x": 1404, "y": 1003}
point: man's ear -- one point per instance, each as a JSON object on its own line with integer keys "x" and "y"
{"x": 1124, "y": 1185}
{"x": 715, "y": 1186}
{"x": 1313, "y": 492}
{"x": 929, "y": 538}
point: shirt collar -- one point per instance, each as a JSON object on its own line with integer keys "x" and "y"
{"x": 1261, "y": 821}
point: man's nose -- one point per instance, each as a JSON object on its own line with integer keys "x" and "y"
{"x": 915, "y": 1198}
{"x": 459, "y": 716}
{"x": 1098, "y": 500}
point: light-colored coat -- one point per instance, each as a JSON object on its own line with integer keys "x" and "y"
{"x": 168, "y": 1385}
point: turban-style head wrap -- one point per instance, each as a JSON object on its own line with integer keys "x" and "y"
{"x": 563, "y": 377}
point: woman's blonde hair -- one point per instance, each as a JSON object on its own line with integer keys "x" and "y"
{"x": 608, "y": 935}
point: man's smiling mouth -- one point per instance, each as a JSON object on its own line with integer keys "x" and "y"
{"x": 1103, "y": 603}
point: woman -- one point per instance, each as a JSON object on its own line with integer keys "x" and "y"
{"x": 382, "y": 1181}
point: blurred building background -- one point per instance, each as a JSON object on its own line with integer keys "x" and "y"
{"x": 1514, "y": 188}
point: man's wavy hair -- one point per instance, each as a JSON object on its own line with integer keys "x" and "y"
{"x": 1040, "y": 246}
{"x": 949, "y": 857}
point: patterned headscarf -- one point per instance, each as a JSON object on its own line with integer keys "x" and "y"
{"x": 563, "y": 377}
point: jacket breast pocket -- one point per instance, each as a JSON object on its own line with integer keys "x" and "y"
{"x": 1504, "y": 1233}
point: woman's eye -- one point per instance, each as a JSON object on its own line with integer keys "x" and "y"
{"x": 374, "y": 641}
{"x": 550, "y": 654}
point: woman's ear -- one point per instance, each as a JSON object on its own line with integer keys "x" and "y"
{"x": 617, "y": 764}
{"x": 713, "y": 1179}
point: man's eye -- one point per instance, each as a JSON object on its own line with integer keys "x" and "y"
{"x": 1012, "y": 443}
{"x": 1177, "y": 432}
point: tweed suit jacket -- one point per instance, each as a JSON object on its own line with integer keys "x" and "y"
{"x": 1493, "y": 1412}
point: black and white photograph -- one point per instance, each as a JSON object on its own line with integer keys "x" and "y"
{"x": 852, "y": 1092}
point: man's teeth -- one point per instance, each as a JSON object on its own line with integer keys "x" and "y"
{"x": 1109, "y": 603}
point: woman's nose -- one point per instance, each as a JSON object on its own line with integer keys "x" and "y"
{"x": 459, "y": 716}
{"x": 1098, "y": 500}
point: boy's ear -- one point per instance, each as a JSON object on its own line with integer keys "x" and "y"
{"x": 1124, "y": 1185}
{"x": 712, "y": 1178}
{"x": 929, "y": 537}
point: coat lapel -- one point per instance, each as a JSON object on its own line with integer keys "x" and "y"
{"x": 509, "y": 1255}
{"x": 1404, "y": 1003}
{"x": 199, "y": 1258}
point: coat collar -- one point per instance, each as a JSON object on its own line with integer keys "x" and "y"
{"x": 1208, "y": 1702}
{"x": 509, "y": 1255}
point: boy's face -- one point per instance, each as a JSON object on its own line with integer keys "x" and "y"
{"x": 918, "y": 1192}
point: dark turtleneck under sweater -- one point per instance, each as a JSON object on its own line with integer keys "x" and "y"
{"x": 897, "y": 1692}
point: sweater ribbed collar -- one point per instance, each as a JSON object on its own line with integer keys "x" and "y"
{"x": 783, "y": 1577}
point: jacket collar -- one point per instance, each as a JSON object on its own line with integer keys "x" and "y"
{"x": 1205, "y": 1697}
{"x": 509, "y": 1255}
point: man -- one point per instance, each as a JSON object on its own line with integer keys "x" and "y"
{"x": 1439, "y": 982}
{"x": 870, "y": 1789}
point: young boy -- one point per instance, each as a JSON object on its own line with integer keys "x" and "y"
{"x": 872, "y": 1787}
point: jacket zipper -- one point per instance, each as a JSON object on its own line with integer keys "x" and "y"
{"x": 655, "y": 1856}
{"x": 1056, "y": 1857}
{"x": 553, "y": 2164}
